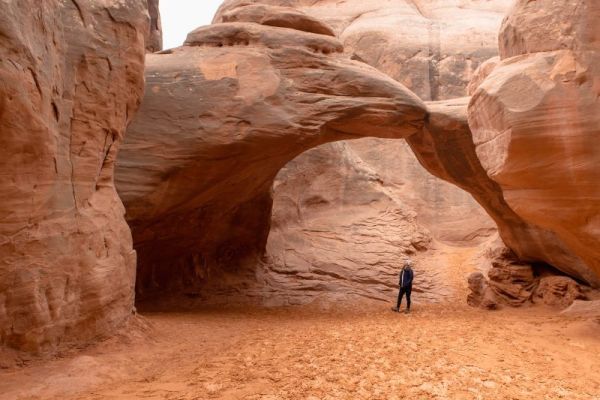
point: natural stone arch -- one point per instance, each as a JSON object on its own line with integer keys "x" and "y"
{"x": 224, "y": 113}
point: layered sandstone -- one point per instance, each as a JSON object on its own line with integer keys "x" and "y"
{"x": 536, "y": 125}
{"x": 71, "y": 76}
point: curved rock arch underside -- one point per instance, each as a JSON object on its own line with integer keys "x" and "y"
{"x": 225, "y": 112}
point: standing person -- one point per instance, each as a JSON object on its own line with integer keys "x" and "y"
{"x": 405, "y": 284}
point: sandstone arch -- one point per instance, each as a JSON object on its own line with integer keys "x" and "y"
{"x": 203, "y": 117}
{"x": 199, "y": 162}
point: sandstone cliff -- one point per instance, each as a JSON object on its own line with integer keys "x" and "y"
{"x": 215, "y": 143}
{"x": 377, "y": 33}
{"x": 536, "y": 123}
{"x": 71, "y": 76}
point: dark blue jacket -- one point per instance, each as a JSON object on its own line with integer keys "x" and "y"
{"x": 406, "y": 277}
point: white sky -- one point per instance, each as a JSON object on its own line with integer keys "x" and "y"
{"x": 180, "y": 17}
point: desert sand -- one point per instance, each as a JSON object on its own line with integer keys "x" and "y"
{"x": 329, "y": 351}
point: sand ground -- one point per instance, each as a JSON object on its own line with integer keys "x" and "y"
{"x": 350, "y": 351}
{"x": 307, "y": 353}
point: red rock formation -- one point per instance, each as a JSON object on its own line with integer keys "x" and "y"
{"x": 515, "y": 284}
{"x": 536, "y": 124}
{"x": 214, "y": 141}
{"x": 431, "y": 46}
{"x": 71, "y": 76}
{"x": 199, "y": 161}
{"x": 423, "y": 205}
{"x": 395, "y": 37}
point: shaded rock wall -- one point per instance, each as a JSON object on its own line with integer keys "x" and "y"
{"x": 71, "y": 76}
{"x": 338, "y": 229}
{"x": 536, "y": 124}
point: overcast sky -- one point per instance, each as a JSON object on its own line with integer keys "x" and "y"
{"x": 179, "y": 17}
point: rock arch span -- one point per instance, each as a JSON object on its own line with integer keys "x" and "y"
{"x": 225, "y": 112}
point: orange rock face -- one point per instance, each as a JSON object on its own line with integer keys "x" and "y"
{"x": 71, "y": 76}
{"x": 536, "y": 125}
{"x": 197, "y": 169}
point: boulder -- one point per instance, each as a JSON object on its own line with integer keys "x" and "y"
{"x": 558, "y": 291}
{"x": 71, "y": 77}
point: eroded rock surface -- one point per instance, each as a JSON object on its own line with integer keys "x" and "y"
{"x": 395, "y": 37}
{"x": 431, "y": 46}
{"x": 71, "y": 76}
{"x": 536, "y": 125}
{"x": 197, "y": 169}
{"x": 513, "y": 283}
{"x": 425, "y": 204}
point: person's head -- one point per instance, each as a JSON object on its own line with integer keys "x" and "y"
{"x": 408, "y": 263}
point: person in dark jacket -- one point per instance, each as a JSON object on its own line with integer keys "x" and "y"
{"x": 405, "y": 284}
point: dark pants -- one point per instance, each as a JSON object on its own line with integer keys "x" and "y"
{"x": 403, "y": 290}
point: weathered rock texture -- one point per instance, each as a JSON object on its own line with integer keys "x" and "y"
{"x": 154, "y": 41}
{"x": 71, "y": 76}
{"x": 200, "y": 160}
{"x": 536, "y": 125}
{"x": 515, "y": 284}
{"x": 395, "y": 37}
{"x": 198, "y": 165}
{"x": 428, "y": 205}
{"x": 339, "y": 229}
{"x": 431, "y": 46}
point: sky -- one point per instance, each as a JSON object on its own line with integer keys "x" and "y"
{"x": 180, "y": 17}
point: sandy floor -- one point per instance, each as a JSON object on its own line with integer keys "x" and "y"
{"x": 306, "y": 353}
{"x": 441, "y": 351}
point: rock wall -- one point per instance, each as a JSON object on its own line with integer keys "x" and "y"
{"x": 71, "y": 76}
{"x": 536, "y": 124}
{"x": 339, "y": 230}
{"x": 418, "y": 46}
